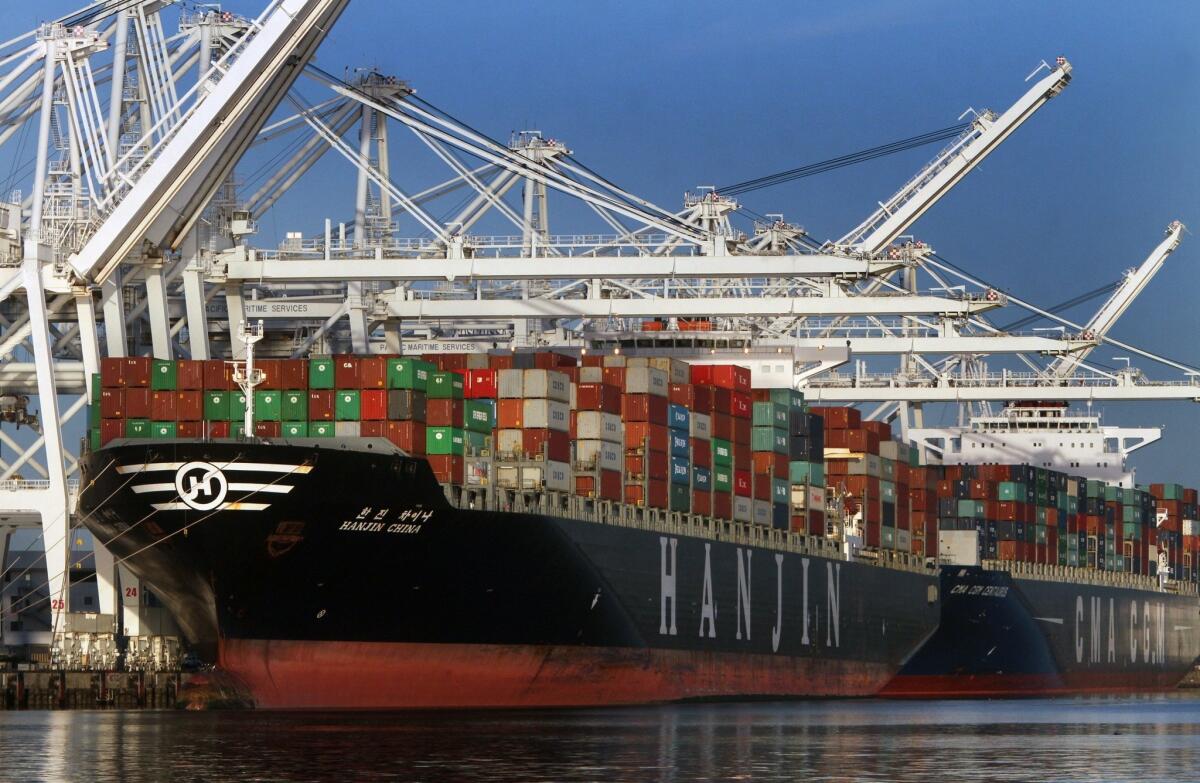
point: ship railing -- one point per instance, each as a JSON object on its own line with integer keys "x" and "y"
{"x": 1075, "y": 574}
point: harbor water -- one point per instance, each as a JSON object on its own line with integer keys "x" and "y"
{"x": 1146, "y": 739}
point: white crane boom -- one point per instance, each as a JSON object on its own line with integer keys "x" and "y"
{"x": 899, "y": 212}
{"x": 1119, "y": 302}
{"x": 168, "y": 195}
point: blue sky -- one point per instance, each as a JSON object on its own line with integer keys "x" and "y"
{"x": 662, "y": 97}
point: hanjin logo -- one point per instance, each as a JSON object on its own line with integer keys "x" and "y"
{"x": 200, "y": 485}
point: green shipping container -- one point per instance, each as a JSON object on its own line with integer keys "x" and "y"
{"x": 768, "y": 439}
{"x": 237, "y": 406}
{"x": 887, "y": 469}
{"x": 347, "y": 406}
{"x": 444, "y": 440}
{"x": 137, "y": 428}
{"x": 321, "y": 429}
{"x": 479, "y": 415}
{"x": 295, "y": 429}
{"x": 268, "y": 405}
{"x": 1011, "y": 490}
{"x": 722, "y": 478}
{"x": 293, "y": 406}
{"x": 769, "y": 414}
{"x": 813, "y": 473}
{"x": 162, "y": 375}
{"x": 781, "y": 491}
{"x": 95, "y": 388}
{"x": 409, "y": 373}
{"x": 444, "y": 385}
{"x": 216, "y": 406}
{"x": 722, "y": 453}
{"x": 320, "y": 373}
{"x": 680, "y": 497}
{"x": 162, "y": 429}
{"x": 970, "y": 508}
{"x": 788, "y": 398}
{"x": 94, "y": 438}
{"x": 477, "y": 442}
{"x": 887, "y": 492}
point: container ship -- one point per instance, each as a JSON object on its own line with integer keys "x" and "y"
{"x": 539, "y": 529}
{"x": 1116, "y": 609}
{"x": 495, "y": 531}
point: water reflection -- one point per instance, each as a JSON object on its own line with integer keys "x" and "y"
{"x": 1147, "y": 739}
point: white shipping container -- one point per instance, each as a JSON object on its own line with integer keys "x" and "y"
{"x": 904, "y": 540}
{"x": 554, "y": 476}
{"x": 508, "y": 476}
{"x": 547, "y": 414}
{"x": 510, "y": 442}
{"x": 591, "y": 375}
{"x": 743, "y": 509}
{"x": 889, "y": 449}
{"x": 547, "y": 385}
{"x": 762, "y": 512}
{"x": 701, "y": 426}
{"x": 1191, "y": 527}
{"x": 347, "y": 429}
{"x": 477, "y": 474}
{"x": 574, "y": 403}
{"x": 477, "y": 361}
{"x": 874, "y": 465}
{"x": 810, "y": 497}
{"x": 645, "y": 380}
{"x": 614, "y": 360}
{"x": 509, "y": 384}
{"x": 594, "y": 425}
{"x": 608, "y": 455}
{"x": 677, "y": 371}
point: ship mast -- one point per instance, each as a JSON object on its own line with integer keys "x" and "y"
{"x": 247, "y": 377}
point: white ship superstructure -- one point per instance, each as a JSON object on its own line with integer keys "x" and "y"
{"x": 1042, "y": 434}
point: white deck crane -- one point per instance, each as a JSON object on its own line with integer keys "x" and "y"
{"x": 1133, "y": 284}
{"x": 900, "y": 211}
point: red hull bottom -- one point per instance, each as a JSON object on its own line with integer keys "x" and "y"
{"x": 380, "y": 675}
{"x": 972, "y": 686}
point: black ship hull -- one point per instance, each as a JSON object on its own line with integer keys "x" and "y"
{"x": 341, "y": 577}
{"x": 1006, "y": 636}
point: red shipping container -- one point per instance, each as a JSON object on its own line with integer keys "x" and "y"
{"x": 510, "y": 414}
{"x": 162, "y": 406}
{"x": 272, "y": 375}
{"x": 702, "y": 399}
{"x": 500, "y": 361}
{"x": 701, "y": 502}
{"x": 267, "y": 429}
{"x": 217, "y": 429}
{"x": 721, "y": 400}
{"x": 799, "y": 524}
{"x": 651, "y": 463}
{"x": 762, "y": 486}
{"x": 653, "y": 494}
{"x": 137, "y": 403}
{"x": 189, "y": 429}
{"x": 742, "y": 486}
{"x": 740, "y": 405}
{"x": 112, "y": 372}
{"x": 872, "y": 537}
{"x": 644, "y": 407}
{"x": 741, "y": 432}
{"x": 189, "y": 375}
{"x": 372, "y": 429}
{"x": 443, "y": 413}
{"x": 614, "y": 376}
{"x": 681, "y": 394}
{"x": 839, "y": 418}
{"x": 320, "y": 405}
{"x": 722, "y": 426}
{"x": 860, "y": 440}
{"x": 741, "y": 455}
{"x": 345, "y": 371}
{"x": 447, "y": 468}
{"x": 722, "y": 505}
{"x": 724, "y": 376}
{"x": 557, "y": 444}
{"x": 640, "y": 434}
{"x": 701, "y": 453}
{"x": 111, "y": 429}
{"x": 189, "y": 405}
{"x": 881, "y": 428}
{"x": 406, "y": 435}
{"x": 1007, "y": 550}
{"x": 479, "y": 385}
{"x": 372, "y": 373}
{"x": 294, "y": 374}
{"x": 607, "y": 487}
{"x": 373, "y": 405}
{"x": 218, "y": 375}
{"x": 112, "y": 403}
{"x": 816, "y": 523}
{"x": 598, "y": 397}
{"x": 136, "y": 372}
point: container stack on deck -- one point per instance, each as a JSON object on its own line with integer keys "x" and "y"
{"x": 659, "y": 433}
